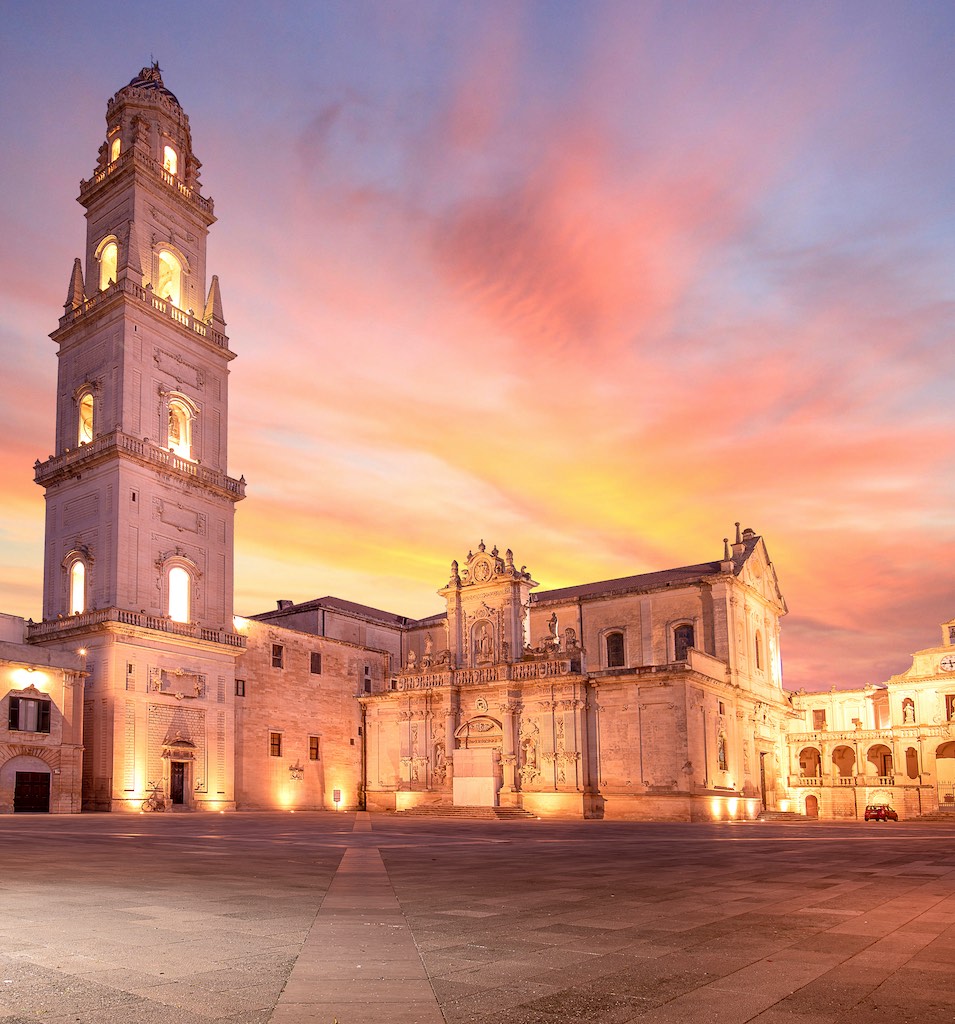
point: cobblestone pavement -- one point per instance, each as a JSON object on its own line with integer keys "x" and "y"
{"x": 315, "y": 917}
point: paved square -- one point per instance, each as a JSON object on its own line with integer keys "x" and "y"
{"x": 316, "y": 917}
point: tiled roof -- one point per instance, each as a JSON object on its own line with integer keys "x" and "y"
{"x": 645, "y": 581}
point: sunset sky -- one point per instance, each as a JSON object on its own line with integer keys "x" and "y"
{"x": 588, "y": 280}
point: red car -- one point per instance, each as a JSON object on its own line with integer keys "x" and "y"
{"x": 881, "y": 812}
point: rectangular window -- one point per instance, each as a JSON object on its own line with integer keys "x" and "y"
{"x": 314, "y": 751}
{"x": 240, "y": 687}
{"x": 28, "y": 715}
{"x": 275, "y": 744}
{"x": 722, "y": 707}
{"x": 819, "y": 718}
{"x": 950, "y": 706}
{"x": 316, "y": 666}
{"x": 278, "y": 656}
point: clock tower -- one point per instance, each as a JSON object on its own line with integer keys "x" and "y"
{"x": 139, "y": 505}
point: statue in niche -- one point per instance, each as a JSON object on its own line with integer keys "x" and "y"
{"x": 908, "y": 711}
{"x": 721, "y": 751}
{"x": 484, "y": 646}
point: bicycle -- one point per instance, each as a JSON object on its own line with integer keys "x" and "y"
{"x": 156, "y": 801}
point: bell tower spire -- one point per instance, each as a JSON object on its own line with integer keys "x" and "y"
{"x": 140, "y": 506}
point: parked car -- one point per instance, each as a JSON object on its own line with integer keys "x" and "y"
{"x": 881, "y": 812}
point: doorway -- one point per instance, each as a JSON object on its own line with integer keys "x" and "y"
{"x": 31, "y": 792}
{"x": 812, "y": 807}
{"x": 177, "y": 782}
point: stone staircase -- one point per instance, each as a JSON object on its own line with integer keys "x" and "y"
{"x": 486, "y": 813}
{"x": 777, "y": 816}
{"x": 933, "y": 816}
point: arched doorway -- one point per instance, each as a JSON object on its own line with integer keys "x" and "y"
{"x": 25, "y": 785}
{"x": 879, "y": 760}
{"x": 843, "y": 762}
{"x": 812, "y": 806}
{"x": 478, "y": 775}
{"x": 945, "y": 775}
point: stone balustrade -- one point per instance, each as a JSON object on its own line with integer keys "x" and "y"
{"x": 140, "y": 159}
{"x": 58, "y": 627}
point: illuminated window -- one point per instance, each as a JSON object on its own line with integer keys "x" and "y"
{"x": 278, "y": 656}
{"x": 108, "y": 257}
{"x": 169, "y": 285}
{"x": 180, "y": 428}
{"x": 818, "y": 718}
{"x": 77, "y": 588}
{"x": 170, "y": 160}
{"x": 29, "y": 715}
{"x": 682, "y": 642}
{"x": 275, "y": 744}
{"x": 240, "y": 687}
{"x": 180, "y": 586}
{"x": 615, "y": 655}
{"x": 759, "y": 652}
{"x": 314, "y": 750}
{"x": 316, "y": 664}
{"x": 85, "y": 430}
{"x": 114, "y": 148}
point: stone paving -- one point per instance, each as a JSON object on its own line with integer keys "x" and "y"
{"x": 354, "y": 918}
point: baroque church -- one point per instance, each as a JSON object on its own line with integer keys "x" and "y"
{"x": 656, "y": 695}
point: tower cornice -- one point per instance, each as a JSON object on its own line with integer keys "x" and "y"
{"x": 162, "y": 309}
{"x": 119, "y": 445}
{"x": 135, "y": 161}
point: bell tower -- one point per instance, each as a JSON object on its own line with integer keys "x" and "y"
{"x": 138, "y": 560}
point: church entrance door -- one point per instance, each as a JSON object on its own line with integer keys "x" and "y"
{"x": 31, "y": 791}
{"x": 177, "y": 782}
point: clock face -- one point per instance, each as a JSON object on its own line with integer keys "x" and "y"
{"x": 482, "y": 571}
{"x": 947, "y": 664}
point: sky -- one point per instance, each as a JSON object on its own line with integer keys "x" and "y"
{"x": 592, "y": 281}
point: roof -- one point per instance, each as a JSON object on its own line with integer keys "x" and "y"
{"x": 150, "y": 79}
{"x": 645, "y": 581}
{"x": 336, "y": 604}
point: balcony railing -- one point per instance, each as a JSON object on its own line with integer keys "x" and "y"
{"x": 138, "y": 158}
{"x": 811, "y": 781}
{"x": 142, "y": 451}
{"x": 80, "y": 623}
{"x": 160, "y": 307}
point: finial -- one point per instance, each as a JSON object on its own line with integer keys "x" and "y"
{"x": 481, "y": 546}
{"x": 726, "y": 549}
{"x": 739, "y": 540}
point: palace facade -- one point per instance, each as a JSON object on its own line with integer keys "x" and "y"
{"x": 649, "y": 696}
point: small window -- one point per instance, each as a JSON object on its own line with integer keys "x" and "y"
{"x": 180, "y": 428}
{"x": 85, "y": 419}
{"x": 78, "y": 587}
{"x": 108, "y": 258}
{"x": 29, "y": 715}
{"x": 169, "y": 285}
{"x": 722, "y": 707}
{"x": 180, "y": 593}
{"x": 275, "y": 744}
{"x": 170, "y": 160}
{"x": 278, "y": 656}
{"x": 314, "y": 750}
{"x": 950, "y": 706}
{"x": 819, "y": 718}
{"x": 240, "y": 687}
{"x": 316, "y": 664}
{"x": 759, "y": 651}
{"x": 114, "y": 149}
{"x": 682, "y": 642}
{"x": 615, "y": 655}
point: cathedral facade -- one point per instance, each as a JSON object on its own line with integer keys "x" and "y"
{"x": 650, "y": 696}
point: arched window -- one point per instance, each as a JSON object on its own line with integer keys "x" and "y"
{"x": 108, "y": 257}
{"x": 170, "y": 160}
{"x": 759, "y": 651}
{"x": 78, "y": 587}
{"x": 169, "y": 285}
{"x": 114, "y": 148}
{"x": 84, "y": 432}
{"x": 682, "y": 641}
{"x": 615, "y": 652}
{"x": 180, "y": 592}
{"x": 180, "y": 428}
